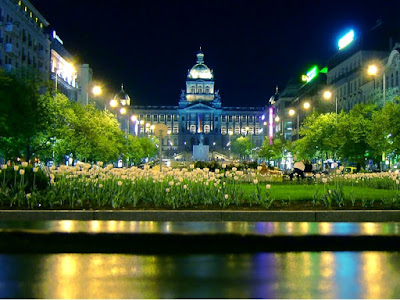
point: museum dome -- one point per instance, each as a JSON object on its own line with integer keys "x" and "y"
{"x": 122, "y": 97}
{"x": 200, "y": 70}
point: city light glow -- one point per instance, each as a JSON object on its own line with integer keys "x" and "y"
{"x": 292, "y": 112}
{"x": 306, "y": 105}
{"x": 123, "y": 110}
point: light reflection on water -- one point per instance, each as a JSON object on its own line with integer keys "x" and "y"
{"x": 260, "y": 275}
{"x": 259, "y": 228}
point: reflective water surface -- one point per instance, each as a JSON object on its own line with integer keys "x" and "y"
{"x": 259, "y": 228}
{"x": 283, "y": 275}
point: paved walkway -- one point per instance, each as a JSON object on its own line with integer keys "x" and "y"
{"x": 195, "y": 215}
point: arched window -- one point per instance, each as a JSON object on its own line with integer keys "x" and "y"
{"x": 200, "y": 89}
{"x": 207, "y": 91}
{"x": 192, "y": 89}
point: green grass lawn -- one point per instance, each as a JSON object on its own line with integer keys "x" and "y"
{"x": 299, "y": 192}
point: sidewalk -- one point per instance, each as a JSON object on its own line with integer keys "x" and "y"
{"x": 209, "y": 215}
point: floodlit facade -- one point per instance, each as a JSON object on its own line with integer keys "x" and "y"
{"x": 62, "y": 70}
{"x": 199, "y": 118}
{"x": 22, "y": 38}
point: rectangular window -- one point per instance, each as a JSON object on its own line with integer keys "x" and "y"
{"x": 169, "y": 118}
{"x": 155, "y": 117}
{"x": 223, "y": 130}
{"x": 206, "y": 128}
{"x": 250, "y": 118}
{"x": 223, "y": 119}
{"x": 175, "y": 129}
{"x": 237, "y": 130}
{"x": 176, "y": 117}
{"x": 162, "y": 118}
{"x": 237, "y": 119}
{"x": 230, "y": 119}
{"x": 192, "y": 128}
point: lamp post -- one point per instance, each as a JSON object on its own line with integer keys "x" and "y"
{"x": 373, "y": 71}
{"x": 230, "y": 133}
{"x": 292, "y": 112}
{"x": 327, "y": 95}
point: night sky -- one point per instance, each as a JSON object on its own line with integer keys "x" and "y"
{"x": 252, "y": 46}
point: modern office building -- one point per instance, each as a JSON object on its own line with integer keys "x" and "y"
{"x": 199, "y": 118}
{"x": 22, "y": 38}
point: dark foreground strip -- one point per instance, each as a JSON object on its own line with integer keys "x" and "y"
{"x": 42, "y": 242}
{"x": 206, "y": 215}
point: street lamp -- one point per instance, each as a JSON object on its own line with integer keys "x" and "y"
{"x": 97, "y": 91}
{"x": 113, "y": 103}
{"x": 230, "y": 133}
{"x": 327, "y": 95}
{"x": 373, "y": 71}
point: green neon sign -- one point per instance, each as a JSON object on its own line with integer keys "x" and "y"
{"x": 312, "y": 73}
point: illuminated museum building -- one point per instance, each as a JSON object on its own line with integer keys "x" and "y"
{"x": 199, "y": 117}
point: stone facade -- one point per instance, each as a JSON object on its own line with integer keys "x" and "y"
{"x": 199, "y": 117}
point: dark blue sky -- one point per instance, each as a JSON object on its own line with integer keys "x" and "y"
{"x": 252, "y": 46}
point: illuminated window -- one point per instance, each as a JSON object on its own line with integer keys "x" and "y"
{"x": 223, "y": 130}
{"x": 206, "y": 128}
{"x": 237, "y": 130}
{"x": 26, "y": 9}
{"x": 175, "y": 129}
{"x": 192, "y": 128}
{"x": 19, "y": 3}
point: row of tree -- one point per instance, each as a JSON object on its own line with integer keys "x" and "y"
{"x": 368, "y": 131}
{"x": 38, "y": 122}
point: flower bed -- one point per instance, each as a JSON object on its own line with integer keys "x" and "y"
{"x": 88, "y": 186}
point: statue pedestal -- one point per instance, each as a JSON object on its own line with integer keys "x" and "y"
{"x": 200, "y": 152}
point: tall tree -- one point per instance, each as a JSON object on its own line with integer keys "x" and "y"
{"x": 27, "y": 113}
{"x": 241, "y": 146}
